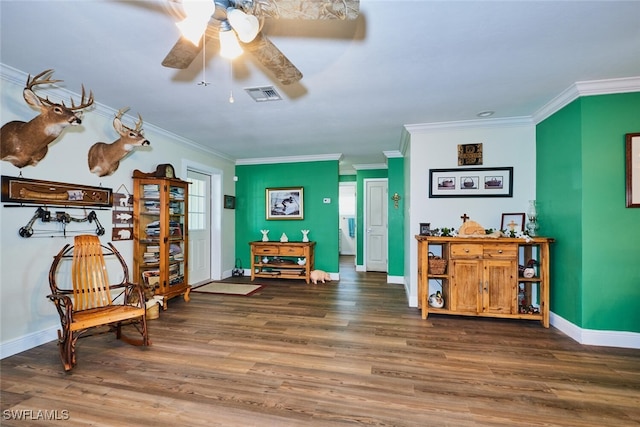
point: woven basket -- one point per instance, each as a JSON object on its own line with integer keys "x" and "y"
{"x": 437, "y": 265}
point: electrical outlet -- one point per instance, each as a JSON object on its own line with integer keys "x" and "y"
{"x": 326, "y": 200}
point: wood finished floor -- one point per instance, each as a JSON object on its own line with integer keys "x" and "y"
{"x": 343, "y": 353}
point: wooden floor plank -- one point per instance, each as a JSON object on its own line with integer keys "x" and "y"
{"x": 344, "y": 353}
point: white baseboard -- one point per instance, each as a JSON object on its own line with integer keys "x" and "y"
{"x": 361, "y": 268}
{"x": 620, "y": 339}
{"x": 29, "y": 341}
{"x": 396, "y": 280}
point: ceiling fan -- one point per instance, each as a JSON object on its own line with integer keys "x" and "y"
{"x": 230, "y": 20}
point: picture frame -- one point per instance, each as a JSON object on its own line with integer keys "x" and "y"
{"x": 284, "y": 203}
{"x": 632, "y": 178}
{"x": 516, "y": 218}
{"x": 229, "y": 202}
{"x": 425, "y": 229}
{"x": 471, "y": 182}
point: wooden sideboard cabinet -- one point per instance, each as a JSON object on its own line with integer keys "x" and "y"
{"x": 280, "y": 260}
{"x": 484, "y": 277}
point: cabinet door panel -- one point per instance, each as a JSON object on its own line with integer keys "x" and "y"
{"x": 465, "y": 281}
{"x": 499, "y": 287}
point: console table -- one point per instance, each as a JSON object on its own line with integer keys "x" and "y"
{"x": 280, "y": 260}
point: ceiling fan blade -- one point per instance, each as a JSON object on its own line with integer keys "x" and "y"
{"x": 274, "y": 60}
{"x": 304, "y": 9}
{"x": 181, "y": 54}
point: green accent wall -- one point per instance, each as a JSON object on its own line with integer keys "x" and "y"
{"x": 319, "y": 181}
{"x": 580, "y": 189}
{"x": 396, "y": 216}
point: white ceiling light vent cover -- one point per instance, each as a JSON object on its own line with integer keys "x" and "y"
{"x": 263, "y": 93}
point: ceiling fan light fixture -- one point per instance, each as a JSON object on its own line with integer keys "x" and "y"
{"x": 247, "y": 26}
{"x": 229, "y": 46}
{"x": 197, "y": 14}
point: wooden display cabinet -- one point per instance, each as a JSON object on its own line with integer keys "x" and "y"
{"x": 160, "y": 234}
{"x": 279, "y": 260}
{"x": 483, "y": 278}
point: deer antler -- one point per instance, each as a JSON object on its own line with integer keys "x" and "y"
{"x": 41, "y": 79}
{"x": 121, "y": 112}
{"x": 139, "y": 123}
{"x": 83, "y": 103}
{"x": 45, "y": 78}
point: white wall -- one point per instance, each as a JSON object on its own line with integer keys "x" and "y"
{"x": 504, "y": 143}
{"x": 27, "y": 318}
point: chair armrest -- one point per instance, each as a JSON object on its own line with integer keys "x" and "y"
{"x": 135, "y": 290}
{"x": 64, "y": 306}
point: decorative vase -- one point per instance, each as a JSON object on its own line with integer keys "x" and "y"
{"x": 265, "y": 238}
{"x": 284, "y": 238}
{"x": 305, "y": 237}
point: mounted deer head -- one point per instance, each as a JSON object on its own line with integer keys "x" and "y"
{"x": 104, "y": 158}
{"x": 26, "y": 143}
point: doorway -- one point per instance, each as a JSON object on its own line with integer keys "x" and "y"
{"x": 347, "y": 222}
{"x": 205, "y": 217}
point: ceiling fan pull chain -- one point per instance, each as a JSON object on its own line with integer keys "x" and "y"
{"x": 204, "y": 81}
{"x": 231, "y": 99}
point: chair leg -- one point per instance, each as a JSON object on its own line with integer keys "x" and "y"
{"x": 67, "y": 347}
{"x": 141, "y": 326}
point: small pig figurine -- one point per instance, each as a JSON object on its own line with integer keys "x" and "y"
{"x": 319, "y": 275}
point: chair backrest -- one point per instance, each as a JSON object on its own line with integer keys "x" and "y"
{"x": 89, "y": 274}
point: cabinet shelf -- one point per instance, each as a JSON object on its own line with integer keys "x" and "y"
{"x": 160, "y": 234}
{"x": 482, "y": 277}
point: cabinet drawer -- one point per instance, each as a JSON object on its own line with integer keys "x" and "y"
{"x": 466, "y": 250}
{"x": 500, "y": 251}
{"x": 291, "y": 251}
{"x": 265, "y": 250}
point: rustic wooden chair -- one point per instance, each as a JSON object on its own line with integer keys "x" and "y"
{"x": 90, "y": 301}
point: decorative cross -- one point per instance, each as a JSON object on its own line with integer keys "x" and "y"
{"x": 512, "y": 225}
{"x": 464, "y": 218}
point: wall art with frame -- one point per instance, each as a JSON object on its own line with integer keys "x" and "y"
{"x": 471, "y": 182}
{"x": 285, "y": 203}
{"x": 633, "y": 170}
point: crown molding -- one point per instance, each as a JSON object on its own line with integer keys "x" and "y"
{"x": 392, "y": 154}
{"x": 289, "y": 159}
{"x": 476, "y": 123}
{"x": 370, "y": 166}
{"x": 587, "y": 88}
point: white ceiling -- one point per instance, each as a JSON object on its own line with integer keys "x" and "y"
{"x": 400, "y": 62}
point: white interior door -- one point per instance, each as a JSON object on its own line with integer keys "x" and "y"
{"x": 375, "y": 236}
{"x": 199, "y": 227}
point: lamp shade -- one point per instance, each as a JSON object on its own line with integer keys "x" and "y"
{"x": 198, "y": 13}
{"x": 246, "y": 26}
{"x": 229, "y": 46}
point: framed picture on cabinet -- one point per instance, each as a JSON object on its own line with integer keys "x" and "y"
{"x": 284, "y": 203}
{"x": 471, "y": 182}
{"x": 633, "y": 170}
{"x": 425, "y": 229}
{"x": 512, "y": 222}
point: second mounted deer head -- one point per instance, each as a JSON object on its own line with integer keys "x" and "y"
{"x": 26, "y": 143}
{"x": 104, "y": 158}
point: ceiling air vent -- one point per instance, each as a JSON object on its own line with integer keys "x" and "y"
{"x": 263, "y": 94}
